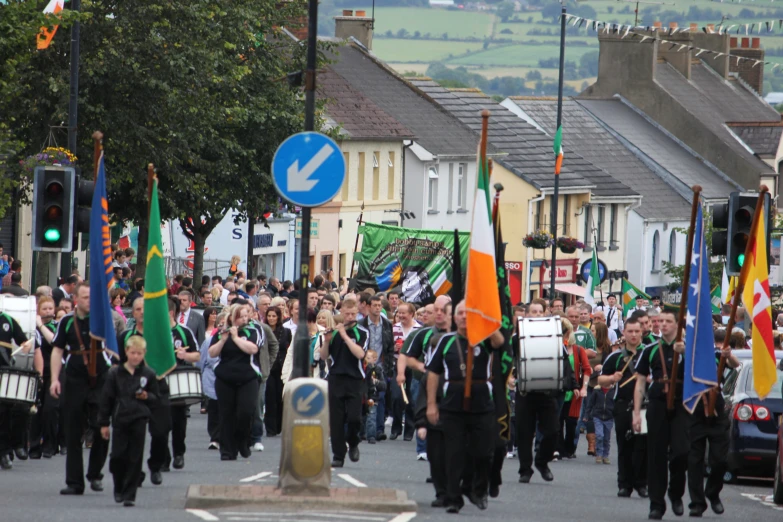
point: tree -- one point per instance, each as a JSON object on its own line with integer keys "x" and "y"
{"x": 193, "y": 87}
{"x": 505, "y": 11}
{"x": 402, "y": 33}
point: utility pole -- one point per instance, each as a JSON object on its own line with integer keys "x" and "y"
{"x": 73, "y": 109}
{"x": 556, "y": 195}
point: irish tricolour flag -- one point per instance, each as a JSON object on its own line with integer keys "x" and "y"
{"x": 481, "y": 289}
{"x": 593, "y": 280}
{"x": 47, "y": 33}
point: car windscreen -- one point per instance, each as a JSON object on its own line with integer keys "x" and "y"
{"x": 775, "y": 392}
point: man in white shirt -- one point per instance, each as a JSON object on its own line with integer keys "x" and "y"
{"x": 187, "y": 317}
{"x": 639, "y": 306}
{"x": 614, "y": 315}
{"x": 401, "y": 330}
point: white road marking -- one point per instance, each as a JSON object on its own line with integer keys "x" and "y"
{"x": 203, "y": 515}
{"x": 256, "y": 477}
{"x": 350, "y": 480}
{"x": 356, "y": 516}
{"x": 764, "y": 499}
{"x": 404, "y": 517}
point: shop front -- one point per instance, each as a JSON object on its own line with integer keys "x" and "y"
{"x": 270, "y": 248}
{"x": 565, "y": 277}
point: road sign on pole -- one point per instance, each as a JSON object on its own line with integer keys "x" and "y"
{"x": 308, "y": 169}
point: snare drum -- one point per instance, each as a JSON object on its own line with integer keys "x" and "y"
{"x": 184, "y": 385}
{"x": 18, "y": 386}
{"x": 540, "y": 364}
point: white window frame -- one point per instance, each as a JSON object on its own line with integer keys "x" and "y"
{"x": 462, "y": 185}
{"x": 432, "y": 187}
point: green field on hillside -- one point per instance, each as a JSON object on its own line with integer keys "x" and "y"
{"x": 457, "y": 24}
{"x": 395, "y": 50}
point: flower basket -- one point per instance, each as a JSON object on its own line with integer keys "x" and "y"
{"x": 568, "y": 245}
{"x": 56, "y": 156}
{"x": 540, "y": 239}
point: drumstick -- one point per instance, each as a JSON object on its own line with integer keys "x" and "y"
{"x": 25, "y": 346}
{"x": 404, "y": 395}
{"x": 632, "y": 377}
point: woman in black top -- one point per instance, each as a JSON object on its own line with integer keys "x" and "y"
{"x": 274, "y": 384}
{"x": 44, "y": 425}
{"x": 236, "y": 383}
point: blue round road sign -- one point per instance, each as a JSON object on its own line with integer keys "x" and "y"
{"x": 587, "y": 266}
{"x": 308, "y": 169}
{"x": 308, "y": 400}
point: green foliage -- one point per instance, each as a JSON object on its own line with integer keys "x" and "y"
{"x": 505, "y": 11}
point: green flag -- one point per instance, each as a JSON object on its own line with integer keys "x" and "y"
{"x": 157, "y": 329}
{"x": 593, "y": 280}
{"x": 629, "y": 296}
{"x": 715, "y": 299}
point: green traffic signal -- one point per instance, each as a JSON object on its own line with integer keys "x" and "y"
{"x": 741, "y": 260}
{"x": 52, "y": 235}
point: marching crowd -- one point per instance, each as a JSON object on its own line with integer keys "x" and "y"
{"x": 383, "y": 358}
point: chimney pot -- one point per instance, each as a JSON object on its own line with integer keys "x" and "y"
{"x": 745, "y": 43}
{"x": 733, "y": 41}
{"x": 755, "y": 43}
{"x": 694, "y": 27}
{"x": 672, "y": 25}
{"x": 347, "y": 12}
{"x": 657, "y": 25}
{"x": 361, "y": 14}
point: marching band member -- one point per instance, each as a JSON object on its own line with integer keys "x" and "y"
{"x": 13, "y": 418}
{"x": 44, "y": 425}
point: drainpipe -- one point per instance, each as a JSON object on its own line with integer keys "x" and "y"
{"x": 527, "y": 255}
{"x": 402, "y": 181}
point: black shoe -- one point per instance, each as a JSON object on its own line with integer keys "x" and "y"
{"x": 371, "y": 441}
{"x": 546, "y": 473}
{"x": 35, "y": 454}
{"x": 439, "y": 502}
{"x": 21, "y": 453}
{"x": 179, "y": 462}
{"x": 156, "y": 478}
{"x": 70, "y": 490}
{"x": 129, "y": 503}
{"x": 227, "y": 457}
{"x": 453, "y": 509}
{"x": 337, "y": 463}
{"x": 5, "y": 462}
{"x": 429, "y": 480}
{"x": 717, "y": 506}
{"x": 494, "y": 491}
{"x": 353, "y": 453}
{"x": 381, "y": 436}
{"x": 47, "y": 454}
{"x": 624, "y": 492}
{"x": 118, "y": 497}
{"x": 394, "y": 436}
{"x": 96, "y": 485}
{"x": 165, "y": 468}
{"x": 407, "y": 438}
{"x": 479, "y": 502}
{"x": 655, "y": 514}
{"x": 677, "y": 507}
{"x": 245, "y": 451}
{"x": 696, "y": 512}
{"x": 525, "y": 477}
{"x": 642, "y": 491}
{"x": 571, "y": 456}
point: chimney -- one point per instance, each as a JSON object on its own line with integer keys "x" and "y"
{"x": 623, "y": 64}
{"x": 751, "y": 73}
{"x": 674, "y": 53}
{"x": 360, "y": 26}
{"x": 718, "y": 43}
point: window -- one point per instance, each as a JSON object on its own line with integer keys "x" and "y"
{"x": 326, "y": 262}
{"x": 432, "y": 189}
{"x": 360, "y": 184}
{"x": 450, "y": 199}
{"x": 462, "y": 186}
{"x": 588, "y": 211}
{"x": 376, "y": 176}
{"x": 346, "y": 182}
{"x": 390, "y": 177}
{"x": 613, "y": 226}
{"x": 656, "y": 247}
{"x": 601, "y": 212}
{"x": 539, "y": 214}
{"x": 566, "y": 216}
{"x": 673, "y": 247}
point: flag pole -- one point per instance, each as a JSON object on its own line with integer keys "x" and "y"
{"x": 150, "y": 178}
{"x": 356, "y": 243}
{"x": 559, "y": 156}
{"x": 686, "y": 280}
{"x": 738, "y": 295}
{"x": 598, "y": 269}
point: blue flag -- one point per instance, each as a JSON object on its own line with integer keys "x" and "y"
{"x": 700, "y": 367}
{"x": 101, "y": 322}
{"x": 390, "y": 276}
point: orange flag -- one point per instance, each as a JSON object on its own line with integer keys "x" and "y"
{"x": 757, "y": 302}
{"x": 46, "y": 35}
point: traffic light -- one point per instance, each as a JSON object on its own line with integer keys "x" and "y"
{"x": 741, "y": 207}
{"x": 720, "y": 222}
{"x": 53, "y": 209}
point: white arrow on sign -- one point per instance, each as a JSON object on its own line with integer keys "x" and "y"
{"x": 303, "y": 404}
{"x": 299, "y": 180}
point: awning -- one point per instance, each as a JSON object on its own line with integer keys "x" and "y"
{"x": 570, "y": 288}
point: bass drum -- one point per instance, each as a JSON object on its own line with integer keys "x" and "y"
{"x": 540, "y": 363}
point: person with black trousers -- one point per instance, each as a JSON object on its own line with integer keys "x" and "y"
{"x": 13, "y": 418}
{"x": 44, "y": 425}
{"x": 668, "y": 439}
{"x": 716, "y": 431}
{"x": 82, "y": 391}
{"x": 236, "y": 382}
{"x": 618, "y": 369}
{"x": 273, "y": 417}
{"x": 130, "y": 389}
{"x": 345, "y": 349}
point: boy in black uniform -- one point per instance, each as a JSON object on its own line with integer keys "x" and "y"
{"x": 345, "y": 353}
{"x": 667, "y": 430}
{"x": 82, "y": 391}
{"x": 716, "y": 431}
{"x": 474, "y": 428}
{"x": 631, "y": 448}
{"x": 13, "y": 419}
{"x": 130, "y": 389}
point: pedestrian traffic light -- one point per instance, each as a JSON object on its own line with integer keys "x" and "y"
{"x": 53, "y": 209}
{"x": 741, "y": 208}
